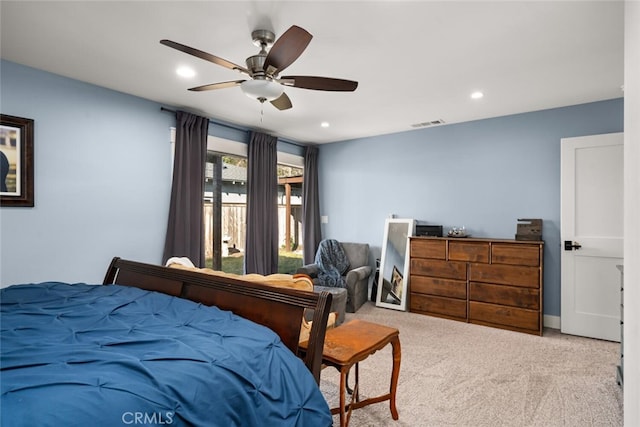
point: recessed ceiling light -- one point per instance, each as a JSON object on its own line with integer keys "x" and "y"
{"x": 477, "y": 95}
{"x": 324, "y": 124}
{"x": 185, "y": 72}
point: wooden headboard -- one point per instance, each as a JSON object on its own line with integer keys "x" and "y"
{"x": 279, "y": 309}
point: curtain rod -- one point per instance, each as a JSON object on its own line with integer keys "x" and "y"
{"x": 219, "y": 124}
{"x": 168, "y": 110}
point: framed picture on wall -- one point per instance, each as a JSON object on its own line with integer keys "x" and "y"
{"x": 16, "y": 161}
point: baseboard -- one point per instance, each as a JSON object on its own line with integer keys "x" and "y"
{"x": 552, "y": 322}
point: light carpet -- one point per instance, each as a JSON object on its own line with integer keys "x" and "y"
{"x": 459, "y": 374}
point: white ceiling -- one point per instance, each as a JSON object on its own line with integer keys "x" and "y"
{"x": 415, "y": 61}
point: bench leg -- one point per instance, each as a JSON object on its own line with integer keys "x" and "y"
{"x": 343, "y": 389}
{"x": 397, "y": 355}
{"x": 345, "y": 414}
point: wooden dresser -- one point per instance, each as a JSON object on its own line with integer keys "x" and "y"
{"x": 485, "y": 281}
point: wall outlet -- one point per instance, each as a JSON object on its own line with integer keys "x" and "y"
{"x": 324, "y": 219}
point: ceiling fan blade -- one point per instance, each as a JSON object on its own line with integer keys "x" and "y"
{"x": 282, "y": 102}
{"x": 204, "y": 55}
{"x": 320, "y": 83}
{"x": 213, "y": 86}
{"x": 287, "y": 49}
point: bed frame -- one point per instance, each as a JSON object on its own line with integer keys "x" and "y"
{"x": 279, "y": 309}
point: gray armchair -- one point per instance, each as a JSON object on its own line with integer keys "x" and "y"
{"x": 356, "y": 278}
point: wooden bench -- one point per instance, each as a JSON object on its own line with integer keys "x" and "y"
{"x": 351, "y": 343}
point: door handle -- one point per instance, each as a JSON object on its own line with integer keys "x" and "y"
{"x": 569, "y": 245}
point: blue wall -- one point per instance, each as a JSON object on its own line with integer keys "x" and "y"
{"x": 102, "y": 179}
{"x": 483, "y": 174}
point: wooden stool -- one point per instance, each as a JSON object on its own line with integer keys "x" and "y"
{"x": 351, "y": 343}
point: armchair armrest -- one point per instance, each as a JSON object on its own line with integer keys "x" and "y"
{"x": 310, "y": 269}
{"x": 358, "y": 274}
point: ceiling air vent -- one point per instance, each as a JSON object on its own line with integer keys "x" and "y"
{"x": 425, "y": 124}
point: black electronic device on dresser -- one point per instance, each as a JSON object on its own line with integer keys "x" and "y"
{"x": 428, "y": 230}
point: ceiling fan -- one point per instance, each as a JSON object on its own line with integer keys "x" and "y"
{"x": 264, "y": 68}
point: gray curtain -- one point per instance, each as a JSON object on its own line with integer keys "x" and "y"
{"x": 185, "y": 226}
{"x": 311, "y": 233}
{"x": 261, "y": 248}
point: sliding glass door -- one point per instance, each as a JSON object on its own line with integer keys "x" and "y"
{"x": 225, "y": 206}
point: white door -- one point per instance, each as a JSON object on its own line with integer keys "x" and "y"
{"x": 592, "y": 235}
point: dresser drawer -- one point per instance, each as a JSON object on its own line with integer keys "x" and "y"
{"x": 504, "y": 253}
{"x": 505, "y": 295}
{"x": 426, "y": 248}
{"x": 437, "y": 286}
{"x": 502, "y": 315}
{"x": 437, "y": 268}
{"x": 448, "y": 307}
{"x": 528, "y": 277}
{"x": 460, "y": 250}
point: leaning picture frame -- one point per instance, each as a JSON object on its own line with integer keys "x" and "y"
{"x": 16, "y": 161}
{"x": 396, "y": 283}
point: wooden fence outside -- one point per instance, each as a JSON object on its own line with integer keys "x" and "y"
{"x": 234, "y": 227}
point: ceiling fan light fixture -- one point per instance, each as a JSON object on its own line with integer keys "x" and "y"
{"x": 262, "y": 90}
{"x": 186, "y": 72}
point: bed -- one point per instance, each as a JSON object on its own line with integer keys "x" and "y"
{"x": 160, "y": 346}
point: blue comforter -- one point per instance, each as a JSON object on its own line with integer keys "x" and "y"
{"x": 84, "y": 355}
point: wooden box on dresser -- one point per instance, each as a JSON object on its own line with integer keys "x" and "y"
{"x": 492, "y": 282}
